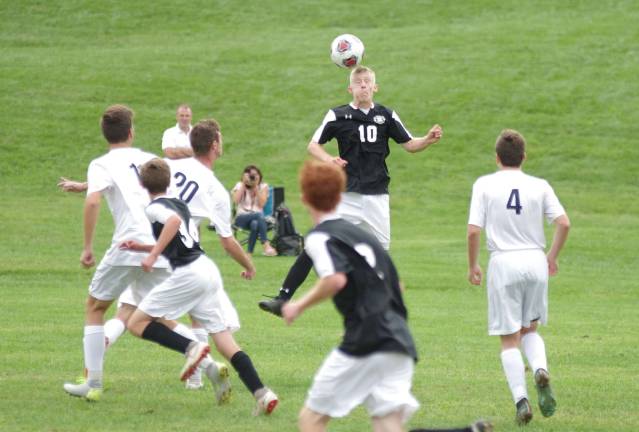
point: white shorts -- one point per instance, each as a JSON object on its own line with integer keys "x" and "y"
{"x": 517, "y": 287}
{"x": 192, "y": 289}
{"x": 231, "y": 318}
{"x": 109, "y": 281}
{"x": 371, "y": 212}
{"x": 381, "y": 381}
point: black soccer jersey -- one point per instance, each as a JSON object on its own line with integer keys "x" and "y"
{"x": 362, "y": 139}
{"x": 184, "y": 248}
{"x": 371, "y": 302}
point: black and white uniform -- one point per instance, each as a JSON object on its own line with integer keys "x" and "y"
{"x": 374, "y": 363}
{"x": 362, "y": 138}
{"x": 193, "y": 285}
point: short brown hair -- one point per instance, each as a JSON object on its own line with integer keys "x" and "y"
{"x": 322, "y": 184}
{"x": 116, "y": 123}
{"x": 511, "y": 148}
{"x": 202, "y": 136}
{"x": 155, "y": 176}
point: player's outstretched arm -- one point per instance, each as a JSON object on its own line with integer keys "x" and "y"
{"x": 233, "y": 248}
{"x": 317, "y": 151}
{"x": 68, "y": 185}
{"x": 474, "y": 270}
{"x": 324, "y": 289}
{"x": 418, "y": 144}
{"x": 562, "y": 227}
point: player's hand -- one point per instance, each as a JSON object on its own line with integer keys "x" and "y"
{"x": 339, "y": 161}
{"x": 132, "y": 245}
{"x": 434, "y": 134}
{"x": 87, "y": 259}
{"x": 475, "y": 275}
{"x": 553, "y": 267}
{"x": 147, "y": 263}
{"x": 248, "y": 274}
{"x": 71, "y": 186}
{"x": 290, "y": 312}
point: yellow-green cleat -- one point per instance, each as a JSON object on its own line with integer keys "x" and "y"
{"x": 546, "y": 400}
{"x": 83, "y": 390}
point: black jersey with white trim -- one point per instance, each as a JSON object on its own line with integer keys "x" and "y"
{"x": 371, "y": 304}
{"x": 362, "y": 139}
{"x": 184, "y": 248}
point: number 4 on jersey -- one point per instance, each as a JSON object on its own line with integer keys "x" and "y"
{"x": 513, "y": 201}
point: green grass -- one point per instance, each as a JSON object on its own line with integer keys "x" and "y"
{"x": 563, "y": 73}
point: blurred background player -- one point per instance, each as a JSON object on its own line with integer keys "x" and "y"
{"x": 362, "y": 129}
{"x": 175, "y": 140}
{"x": 511, "y": 206}
{"x": 373, "y": 365}
{"x": 250, "y": 195}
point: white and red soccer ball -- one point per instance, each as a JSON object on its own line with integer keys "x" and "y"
{"x": 347, "y": 51}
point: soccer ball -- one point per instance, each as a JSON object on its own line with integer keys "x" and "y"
{"x": 347, "y": 51}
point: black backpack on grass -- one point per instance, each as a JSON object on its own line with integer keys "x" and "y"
{"x": 287, "y": 241}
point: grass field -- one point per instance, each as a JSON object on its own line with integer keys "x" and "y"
{"x": 563, "y": 73}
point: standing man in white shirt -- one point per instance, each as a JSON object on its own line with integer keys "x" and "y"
{"x": 510, "y": 206}
{"x": 175, "y": 140}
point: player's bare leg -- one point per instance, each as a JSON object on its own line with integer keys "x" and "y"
{"x": 311, "y": 421}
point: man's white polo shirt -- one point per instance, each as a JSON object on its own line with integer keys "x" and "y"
{"x": 176, "y": 137}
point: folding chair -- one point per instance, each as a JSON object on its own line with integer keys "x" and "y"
{"x": 275, "y": 198}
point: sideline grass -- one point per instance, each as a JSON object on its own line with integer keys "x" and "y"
{"x": 563, "y": 73}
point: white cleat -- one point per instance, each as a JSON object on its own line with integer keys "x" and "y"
{"x": 219, "y": 376}
{"x": 84, "y": 391}
{"x": 266, "y": 404}
{"x": 194, "y": 357}
{"x": 194, "y": 382}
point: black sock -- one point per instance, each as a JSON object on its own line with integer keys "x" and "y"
{"x": 166, "y": 337}
{"x": 244, "y": 367}
{"x": 296, "y": 276}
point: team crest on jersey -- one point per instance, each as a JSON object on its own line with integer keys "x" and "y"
{"x": 379, "y": 119}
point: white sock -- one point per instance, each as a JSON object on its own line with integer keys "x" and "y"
{"x": 201, "y": 334}
{"x": 94, "y": 354}
{"x": 185, "y": 331}
{"x": 113, "y": 329}
{"x": 535, "y": 350}
{"x": 513, "y": 364}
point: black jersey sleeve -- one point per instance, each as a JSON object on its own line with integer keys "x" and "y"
{"x": 327, "y": 130}
{"x": 396, "y": 129}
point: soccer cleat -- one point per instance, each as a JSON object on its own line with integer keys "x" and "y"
{"x": 273, "y": 306}
{"x": 523, "y": 414}
{"x": 481, "y": 426}
{"x": 266, "y": 403}
{"x": 194, "y": 357}
{"x": 194, "y": 382}
{"x": 219, "y": 376}
{"x": 546, "y": 399}
{"x": 84, "y": 391}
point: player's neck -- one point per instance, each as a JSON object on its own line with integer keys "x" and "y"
{"x": 204, "y": 160}
{"x": 184, "y": 129}
{"x": 120, "y": 145}
{"x": 363, "y": 105}
{"x": 157, "y": 195}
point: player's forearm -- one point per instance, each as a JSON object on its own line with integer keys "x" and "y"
{"x": 317, "y": 151}
{"x": 324, "y": 289}
{"x": 473, "y": 238}
{"x": 562, "y": 227}
{"x": 233, "y": 248}
{"x": 170, "y": 229}
{"x": 417, "y": 144}
{"x": 178, "y": 152}
{"x": 91, "y": 212}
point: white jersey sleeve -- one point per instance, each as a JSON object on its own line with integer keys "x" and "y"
{"x": 477, "y": 210}
{"x": 329, "y": 117}
{"x": 552, "y": 207}
{"x": 315, "y": 247}
{"x": 98, "y": 178}
{"x": 158, "y": 213}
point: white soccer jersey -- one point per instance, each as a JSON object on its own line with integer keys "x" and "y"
{"x": 510, "y": 206}
{"x": 115, "y": 175}
{"x": 206, "y": 197}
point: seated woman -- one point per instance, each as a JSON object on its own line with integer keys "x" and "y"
{"x": 249, "y": 196}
